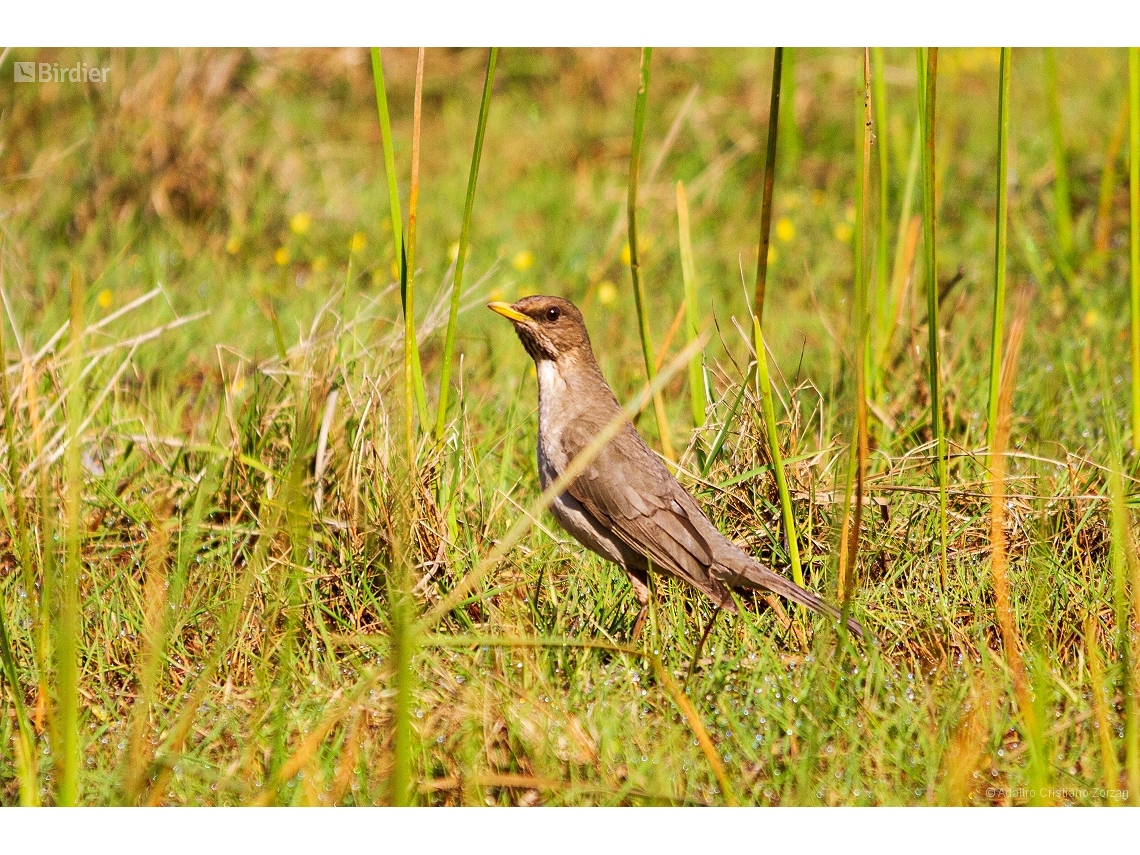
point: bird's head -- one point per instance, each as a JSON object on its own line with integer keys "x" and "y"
{"x": 549, "y": 327}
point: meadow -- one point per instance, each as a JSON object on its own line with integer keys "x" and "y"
{"x": 272, "y": 531}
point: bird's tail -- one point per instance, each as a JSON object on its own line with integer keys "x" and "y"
{"x": 750, "y": 573}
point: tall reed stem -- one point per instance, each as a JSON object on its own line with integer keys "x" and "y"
{"x": 67, "y": 627}
{"x": 1134, "y": 230}
{"x": 769, "y": 182}
{"x": 928, "y": 74}
{"x": 1000, "y": 249}
{"x": 413, "y": 376}
{"x": 777, "y": 458}
{"x": 1061, "y": 196}
{"x": 464, "y": 233}
{"x": 634, "y": 255}
{"x": 853, "y": 516}
{"x": 882, "y": 312}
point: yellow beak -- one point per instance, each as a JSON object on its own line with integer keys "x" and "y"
{"x": 506, "y": 311}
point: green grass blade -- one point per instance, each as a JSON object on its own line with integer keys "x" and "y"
{"x": 777, "y": 458}
{"x": 25, "y": 744}
{"x": 769, "y": 182}
{"x": 464, "y": 234}
{"x": 413, "y": 374}
{"x": 1000, "y": 249}
{"x": 67, "y": 621}
{"x": 1062, "y": 199}
{"x": 928, "y": 65}
{"x": 722, "y": 434}
{"x": 698, "y": 392}
{"x": 791, "y": 143}
{"x": 389, "y": 158}
{"x": 634, "y": 259}
{"x": 882, "y": 309}
{"x": 1134, "y": 231}
{"x": 900, "y": 268}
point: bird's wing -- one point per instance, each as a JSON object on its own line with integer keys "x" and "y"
{"x": 629, "y": 490}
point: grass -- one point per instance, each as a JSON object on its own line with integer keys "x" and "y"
{"x": 277, "y": 599}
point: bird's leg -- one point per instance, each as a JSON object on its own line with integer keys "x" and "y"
{"x": 639, "y": 579}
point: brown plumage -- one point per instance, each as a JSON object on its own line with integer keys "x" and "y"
{"x": 626, "y": 505}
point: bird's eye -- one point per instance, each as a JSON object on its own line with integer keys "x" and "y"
{"x": 553, "y": 313}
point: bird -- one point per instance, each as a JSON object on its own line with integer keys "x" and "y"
{"x": 626, "y": 506}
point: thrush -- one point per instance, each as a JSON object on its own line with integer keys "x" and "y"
{"x": 625, "y": 505}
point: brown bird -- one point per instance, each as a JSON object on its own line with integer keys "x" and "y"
{"x": 626, "y": 506}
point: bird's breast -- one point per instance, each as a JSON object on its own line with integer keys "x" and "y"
{"x": 552, "y": 403}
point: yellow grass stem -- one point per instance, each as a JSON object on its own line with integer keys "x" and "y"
{"x": 769, "y": 182}
{"x": 68, "y": 617}
{"x": 1134, "y": 231}
{"x": 634, "y": 255}
{"x": 1109, "y": 761}
{"x": 1002, "y": 228}
{"x": 1104, "y": 207}
{"x": 1011, "y": 642}
{"x": 460, "y": 259}
{"x": 698, "y": 390}
{"x": 413, "y": 375}
{"x": 155, "y": 600}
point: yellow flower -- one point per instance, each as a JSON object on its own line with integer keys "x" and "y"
{"x": 643, "y": 246}
{"x": 785, "y": 230}
{"x": 281, "y": 256}
{"x": 843, "y": 232}
{"x": 359, "y": 241}
{"x": 233, "y": 245}
{"x": 300, "y": 223}
{"x": 1092, "y": 318}
{"x": 105, "y": 298}
{"x": 453, "y": 251}
{"x": 607, "y": 293}
{"x": 772, "y": 254}
{"x": 496, "y": 295}
{"x": 523, "y": 260}
{"x": 320, "y": 263}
